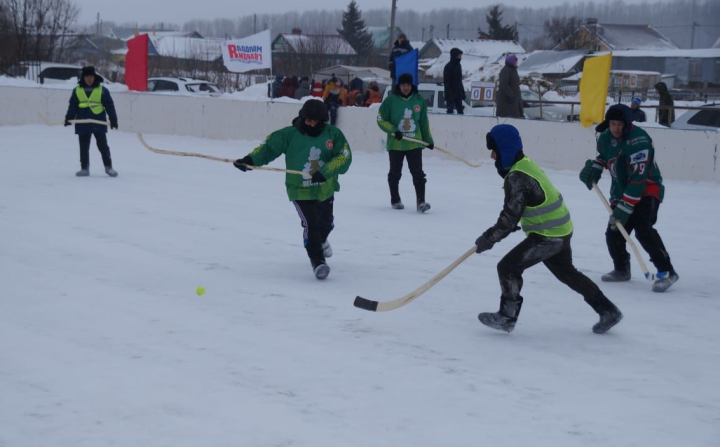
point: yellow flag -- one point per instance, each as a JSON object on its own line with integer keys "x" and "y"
{"x": 594, "y": 88}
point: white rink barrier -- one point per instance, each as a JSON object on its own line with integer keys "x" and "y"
{"x": 682, "y": 155}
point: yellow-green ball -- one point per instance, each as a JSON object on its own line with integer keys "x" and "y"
{"x": 200, "y": 291}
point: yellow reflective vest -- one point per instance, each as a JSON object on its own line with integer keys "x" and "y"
{"x": 551, "y": 218}
{"x": 94, "y": 102}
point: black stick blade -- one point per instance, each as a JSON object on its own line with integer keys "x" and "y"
{"x": 364, "y": 303}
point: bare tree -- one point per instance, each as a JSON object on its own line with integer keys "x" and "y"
{"x": 564, "y": 30}
{"x": 35, "y": 29}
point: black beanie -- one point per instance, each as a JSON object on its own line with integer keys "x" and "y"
{"x": 88, "y": 71}
{"x": 314, "y": 109}
{"x": 406, "y": 78}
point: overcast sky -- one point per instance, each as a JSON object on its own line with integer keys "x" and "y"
{"x": 174, "y": 11}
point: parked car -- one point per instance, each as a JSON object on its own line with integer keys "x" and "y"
{"x": 706, "y": 119}
{"x": 550, "y": 112}
{"x": 48, "y": 72}
{"x": 186, "y": 86}
{"x": 531, "y": 108}
{"x": 434, "y": 96}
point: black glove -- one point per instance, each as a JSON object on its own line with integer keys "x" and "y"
{"x": 113, "y": 124}
{"x": 591, "y": 173}
{"x": 430, "y": 146}
{"x": 318, "y": 177}
{"x": 243, "y": 163}
{"x": 398, "y": 135}
{"x": 67, "y": 123}
{"x": 483, "y": 244}
{"x": 517, "y": 228}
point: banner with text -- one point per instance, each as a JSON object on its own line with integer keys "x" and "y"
{"x": 250, "y": 53}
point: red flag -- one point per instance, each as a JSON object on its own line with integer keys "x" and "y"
{"x": 136, "y": 63}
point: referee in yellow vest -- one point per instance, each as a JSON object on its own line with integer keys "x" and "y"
{"x": 90, "y": 100}
{"x": 533, "y": 202}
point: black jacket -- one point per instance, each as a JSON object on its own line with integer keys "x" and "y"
{"x": 665, "y": 116}
{"x": 452, "y": 78}
{"x": 521, "y": 190}
{"x": 75, "y": 112}
{"x": 398, "y": 50}
{"x": 638, "y": 116}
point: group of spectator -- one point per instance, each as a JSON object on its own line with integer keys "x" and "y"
{"x": 332, "y": 91}
{"x": 356, "y": 94}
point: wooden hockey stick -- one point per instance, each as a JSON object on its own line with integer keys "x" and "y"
{"x": 619, "y": 225}
{"x": 375, "y": 306}
{"x": 445, "y": 151}
{"x": 87, "y": 121}
{"x": 210, "y": 157}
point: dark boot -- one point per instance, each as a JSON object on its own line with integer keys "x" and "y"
{"x": 395, "y": 195}
{"x": 663, "y": 284}
{"x": 619, "y": 274}
{"x": 610, "y": 315}
{"x": 320, "y": 268}
{"x": 505, "y": 318}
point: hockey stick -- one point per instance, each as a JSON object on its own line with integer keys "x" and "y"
{"x": 619, "y": 225}
{"x": 375, "y": 306}
{"x": 86, "y": 121}
{"x": 445, "y": 151}
{"x": 210, "y": 157}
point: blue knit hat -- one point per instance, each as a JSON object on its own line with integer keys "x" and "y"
{"x": 637, "y": 101}
{"x": 507, "y": 143}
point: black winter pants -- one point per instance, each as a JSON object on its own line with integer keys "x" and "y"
{"x": 102, "y": 145}
{"x": 414, "y": 159}
{"x": 641, "y": 220}
{"x": 555, "y": 253}
{"x": 317, "y": 219}
{"x": 455, "y": 104}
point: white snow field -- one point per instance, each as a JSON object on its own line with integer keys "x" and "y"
{"x": 104, "y": 342}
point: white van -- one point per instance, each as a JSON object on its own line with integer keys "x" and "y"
{"x": 434, "y": 95}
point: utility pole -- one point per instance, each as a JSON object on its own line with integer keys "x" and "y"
{"x": 423, "y": 34}
{"x": 97, "y": 25}
{"x": 392, "y": 26}
{"x": 692, "y": 35}
{"x": 432, "y": 29}
{"x": 447, "y": 31}
{"x": 254, "y": 23}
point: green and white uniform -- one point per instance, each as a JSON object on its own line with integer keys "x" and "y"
{"x": 328, "y": 153}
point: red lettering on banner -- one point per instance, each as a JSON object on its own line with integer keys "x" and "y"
{"x": 232, "y": 49}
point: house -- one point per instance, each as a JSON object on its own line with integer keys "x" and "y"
{"x": 435, "y": 47}
{"x": 595, "y": 36}
{"x": 298, "y": 53}
{"x": 477, "y": 54}
{"x": 93, "y": 48}
{"x": 694, "y": 68}
{"x": 553, "y": 65}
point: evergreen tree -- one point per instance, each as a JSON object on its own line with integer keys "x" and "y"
{"x": 355, "y": 31}
{"x": 496, "y": 30}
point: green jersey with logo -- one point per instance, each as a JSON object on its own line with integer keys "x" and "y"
{"x": 328, "y": 153}
{"x": 409, "y": 116}
{"x": 631, "y": 162}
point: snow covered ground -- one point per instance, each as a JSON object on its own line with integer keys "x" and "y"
{"x": 103, "y": 341}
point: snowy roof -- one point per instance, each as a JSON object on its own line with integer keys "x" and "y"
{"x": 551, "y": 62}
{"x": 470, "y": 63}
{"x": 702, "y": 53}
{"x": 347, "y": 70}
{"x": 317, "y": 43}
{"x": 187, "y": 47}
{"x": 632, "y": 37}
{"x": 636, "y": 72}
{"x": 717, "y": 43}
{"x": 477, "y": 47}
{"x": 127, "y": 33}
{"x": 417, "y": 44}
